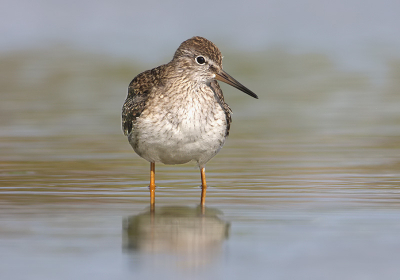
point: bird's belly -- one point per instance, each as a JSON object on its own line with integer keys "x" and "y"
{"x": 194, "y": 137}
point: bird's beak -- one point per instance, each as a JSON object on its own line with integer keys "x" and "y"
{"x": 226, "y": 78}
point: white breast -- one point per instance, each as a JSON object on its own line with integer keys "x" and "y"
{"x": 180, "y": 128}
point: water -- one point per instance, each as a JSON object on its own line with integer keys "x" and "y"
{"x": 306, "y": 187}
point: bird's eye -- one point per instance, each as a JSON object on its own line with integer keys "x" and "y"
{"x": 200, "y": 60}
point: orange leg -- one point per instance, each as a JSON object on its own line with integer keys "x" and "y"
{"x": 203, "y": 186}
{"x": 152, "y": 184}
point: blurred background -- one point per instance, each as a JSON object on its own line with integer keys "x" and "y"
{"x": 65, "y": 66}
{"x": 307, "y": 183}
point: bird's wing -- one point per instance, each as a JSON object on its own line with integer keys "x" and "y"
{"x": 138, "y": 93}
{"x": 217, "y": 90}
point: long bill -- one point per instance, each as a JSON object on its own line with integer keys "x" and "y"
{"x": 226, "y": 78}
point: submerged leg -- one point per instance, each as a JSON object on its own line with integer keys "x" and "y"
{"x": 152, "y": 184}
{"x": 203, "y": 186}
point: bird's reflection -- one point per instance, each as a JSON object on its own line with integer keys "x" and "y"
{"x": 195, "y": 233}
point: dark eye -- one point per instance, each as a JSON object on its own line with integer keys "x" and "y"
{"x": 200, "y": 59}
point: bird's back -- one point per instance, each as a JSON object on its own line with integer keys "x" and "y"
{"x": 138, "y": 94}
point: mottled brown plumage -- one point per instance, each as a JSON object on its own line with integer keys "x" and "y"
{"x": 176, "y": 112}
{"x": 139, "y": 91}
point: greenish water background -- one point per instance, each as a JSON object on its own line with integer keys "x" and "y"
{"x": 306, "y": 187}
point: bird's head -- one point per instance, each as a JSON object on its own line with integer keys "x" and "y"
{"x": 202, "y": 61}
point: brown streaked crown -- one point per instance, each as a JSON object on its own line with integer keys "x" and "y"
{"x": 198, "y": 45}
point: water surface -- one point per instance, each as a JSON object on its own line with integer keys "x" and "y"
{"x": 306, "y": 187}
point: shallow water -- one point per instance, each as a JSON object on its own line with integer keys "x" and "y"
{"x": 306, "y": 187}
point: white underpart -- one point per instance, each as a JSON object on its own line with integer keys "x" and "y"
{"x": 180, "y": 127}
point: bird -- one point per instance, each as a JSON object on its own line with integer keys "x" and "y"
{"x": 176, "y": 113}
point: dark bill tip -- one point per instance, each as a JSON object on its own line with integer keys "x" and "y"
{"x": 226, "y": 78}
